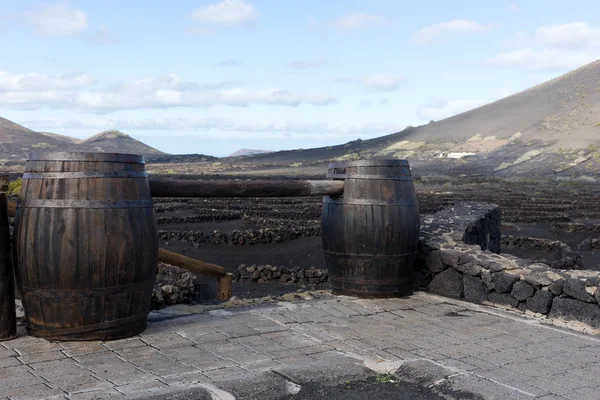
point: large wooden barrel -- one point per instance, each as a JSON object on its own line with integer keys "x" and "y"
{"x": 370, "y": 234}
{"x": 86, "y": 245}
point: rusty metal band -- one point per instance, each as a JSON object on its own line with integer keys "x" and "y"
{"x": 362, "y": 202}
{"x": 85, "y": 204}
{"x": 87, "y": 292}
{"x": 369, "y": 163}
{"x": 87, "y": 157}
{"x": 367, "y": 282}
{"x": 88, "y": 328}
{"x": 85, "y": 175}
{"x": 371, "y": 177}
{"x": 350, "y": 255}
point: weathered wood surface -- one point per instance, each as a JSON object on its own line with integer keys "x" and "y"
{"x": 370, "y": 236}
{"x": 8, "y": 319}
{"x": 243, "y": 188}
{"x": 225, "y": 287}
{"x": 196, "y": 266}
{"x": 12, "y": 209}
{"x": 85, "y": 245}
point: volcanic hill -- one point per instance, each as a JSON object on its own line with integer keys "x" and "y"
{"x": 114, "y": 142}
{"x": 552, "y": 128}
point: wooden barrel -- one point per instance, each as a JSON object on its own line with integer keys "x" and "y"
{"x": 86, "y": 245}
{"x": 370, "y": 234}
{"x": 8, "y": 318}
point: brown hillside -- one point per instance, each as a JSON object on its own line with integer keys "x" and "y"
{"x": 114, "y": 142}
{"x": 16, "y": 141}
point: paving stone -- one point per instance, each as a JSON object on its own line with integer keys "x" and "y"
{"x": 260, "y": 366}
{"x": 77, "y": 384}
{"x": 41, "y": 357}
{"x": 32, "y": 392}
{"x": 124, "y": 344}
{"x": 97, "y": 395}
{"x": 226, "y": 373}
{"x": 20, "y": 375}
{"x": 136, "y": 388}
{"x": 9, "y": 362}
{"x": 51, "y": 370}
{"x": 85, "y": 348}
{"x": 36, "y": 347}
{"x": 167, "y": 340}
{"x": 208, "y": 338}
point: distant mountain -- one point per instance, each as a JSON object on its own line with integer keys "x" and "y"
{"x": 248, "y": 152}
{"x": 550, "y": 128}
{"x": 62, "y": 138}
{"x": 114, "y": 142}
{"x": 16, "y": 142}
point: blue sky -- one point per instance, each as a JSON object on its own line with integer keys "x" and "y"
{"x": 215, "y": 76}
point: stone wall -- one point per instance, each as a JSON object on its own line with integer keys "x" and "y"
{"x": 276, "y": 274}
{"x": 458, "y": 259}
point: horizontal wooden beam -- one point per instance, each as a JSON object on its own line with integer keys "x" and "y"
{"x": 242, "y": 188}
{"x": 190, "y": 264}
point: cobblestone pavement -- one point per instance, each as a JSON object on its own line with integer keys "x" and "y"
{"x": 446, "y": 347}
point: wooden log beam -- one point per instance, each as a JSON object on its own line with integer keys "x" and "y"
{"x": 241, "y": 188}
{"x": 192, "y": 265}
{"x": 8, "y": 318}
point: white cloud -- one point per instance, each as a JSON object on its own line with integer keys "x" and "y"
{"x": 382, "y": 82}
{"x": 530, "y": 59}
{"x": 444, "y": 109}
{"x": 432, "y": 32}
{"x": 365, "y": 103}
{"x": 551, "y": 47}
{"x": 307, "y": 64}
{"x": 227, "y": 12}
{"x": 57, "y": 19}
{"x": 69, "y": 91}
{"x": 204, "y": 124}
{"x": 43, "y": 82}
{"x": 358, "y": 20}
{"x": 573, "y": 36}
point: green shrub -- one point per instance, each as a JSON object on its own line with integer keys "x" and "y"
{"x": 14, "y": 188}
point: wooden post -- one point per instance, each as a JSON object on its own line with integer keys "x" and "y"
{"x": 12, "y": 209}
{"x": 243, "y": 188}
{"x": 225, "y": 287}
{"x": 8, "y": 318}
{"x": 225, "y": 283}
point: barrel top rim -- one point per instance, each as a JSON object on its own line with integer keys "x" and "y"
{"x": 369, "y": 163}
{"x": 86, "y": 156}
